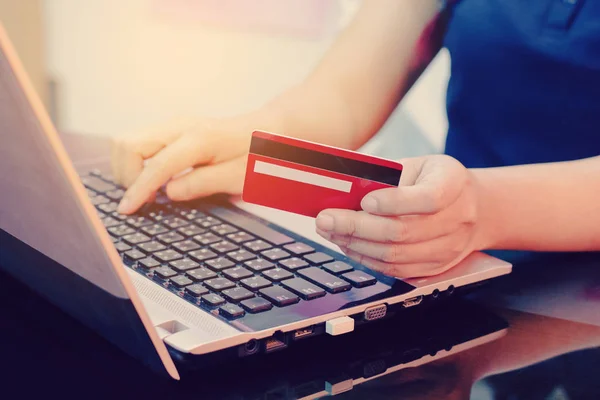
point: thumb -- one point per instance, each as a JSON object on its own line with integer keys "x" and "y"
{"x": 438, "y": 184}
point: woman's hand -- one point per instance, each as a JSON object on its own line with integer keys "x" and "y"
{"x": 215, "y": 150}
{"x": 424, "y": 227}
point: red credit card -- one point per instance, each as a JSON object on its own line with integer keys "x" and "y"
{"x": 305, "y": 177}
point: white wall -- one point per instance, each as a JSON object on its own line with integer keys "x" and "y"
{"x": 121, "y": 66}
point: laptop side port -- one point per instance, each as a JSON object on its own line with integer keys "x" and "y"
{"x": 375, "y": 312}
{"x": 303, "y": 333}
{"x": 413, "y": 301}
{"x": 273, "y": 344}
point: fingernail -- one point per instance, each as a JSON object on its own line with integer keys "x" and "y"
{"x": 325, "y": 222}
{"x": 124, "y": 206}
{"x": 369, "y": 204}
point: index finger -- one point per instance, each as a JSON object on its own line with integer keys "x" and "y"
{"x": 168, "y": 162}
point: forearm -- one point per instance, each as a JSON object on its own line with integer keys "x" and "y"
{"x": 542, "y": 207}
{"x": 360, "y": 80}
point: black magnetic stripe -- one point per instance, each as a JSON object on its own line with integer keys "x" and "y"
{"x": 299, "y": 155}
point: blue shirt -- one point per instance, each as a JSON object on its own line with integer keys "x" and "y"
{"x": 525, "y": 81}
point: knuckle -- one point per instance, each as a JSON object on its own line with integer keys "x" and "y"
{"x": 391, "y": 253}
{"x": 349, "y": 226}
{"x": 347, "y": 241}
{"x": 395, "y": 231}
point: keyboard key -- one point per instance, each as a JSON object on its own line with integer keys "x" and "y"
{"x": 196, "y": 290}
{"x": 148, "y": 263}
{"x": 303, "y": 288}
{"x": 231, "y": 311}
{"x": 186, "y": 245}
{"x": 164, "y": 272}
{"x": 161, "y": 215}
{"x": 207, "y": 238}
{"x": 212, "y": 300}
{"x": 108, "y": 177}
{"x": 338, "y": 267}
{"x": 318, "y": 258}
{"x": 191, "y": 215}
{"x": 181, "y": 281}
{"x": 136, "y": 238}
{"x": 184, "y": 264}
{"x": 278, "y": 274}
{"x": 154, "y": 230}
{"x": 100, "y": 201}
{"x": 259, "y": 265}
{"x": 104, "y": 205}
{"x": 257, "y": 245}
{"x": 329, "y": 282}
{"x": 116, "y": 194}
{"x": 223, "y": 247}
{"x": 279, "y": 296}
{"x": 114, "y": 239}
{"x": 201, "y": 255}
{"x": 151, "y": 247}
{"x": 275, "y": 254}
{"x": 223, "y": 229}
{"x": 240, "y": 237}
{"x": 201, "y": 274}
{"x": 256, "y": 305}
{"x": 121, "y": 230}
{"x": 219, "y": 263}
{"x": 237, "y": 273}
{"x": 298, "y": 248}
{"x": 252, "y": 226}
{"x": 174, "y": 222}
{"x": 138, "y": 222}
{"x": 120, "y": 217}
{"x": 170, "y": 237}
{"x": 110, "y": 221}
{"x": 90, "y": 193}
{"x": 293, "y": 263}
{"x": 122, "y": 247}
{"x": 237, "y": 294}
{"x": 219, "y": 284}
{"x": 191, "y": 230}
{"x": 241, "y": 255}
{"x": 167, "y": 255}
{"x": 359, "y": 278}
{"x": 132, "y": 256}
{"x": 255, "y": 283}
{"x": 97, "y": 184}
{"x": 208, "y": 221}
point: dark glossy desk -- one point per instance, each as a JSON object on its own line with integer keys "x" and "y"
{"x": 551, "y": 350}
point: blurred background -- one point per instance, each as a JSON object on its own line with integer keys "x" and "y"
{"x": 107, "y": 67}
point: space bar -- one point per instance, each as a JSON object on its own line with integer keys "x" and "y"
{"x": 252, "y": 226}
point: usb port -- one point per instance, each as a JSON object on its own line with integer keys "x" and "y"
{"x": 413, "y": 301}
{"x": 302, "y": 333}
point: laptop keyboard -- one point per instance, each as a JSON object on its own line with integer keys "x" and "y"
{"x": 217, "y": 259}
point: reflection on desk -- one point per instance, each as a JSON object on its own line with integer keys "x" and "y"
{"x": 438, "y": 353}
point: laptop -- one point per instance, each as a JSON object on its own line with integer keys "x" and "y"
{"x": 197, "y": 278}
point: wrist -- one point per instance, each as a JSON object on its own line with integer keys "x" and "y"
{"x": 489, "y": 216}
